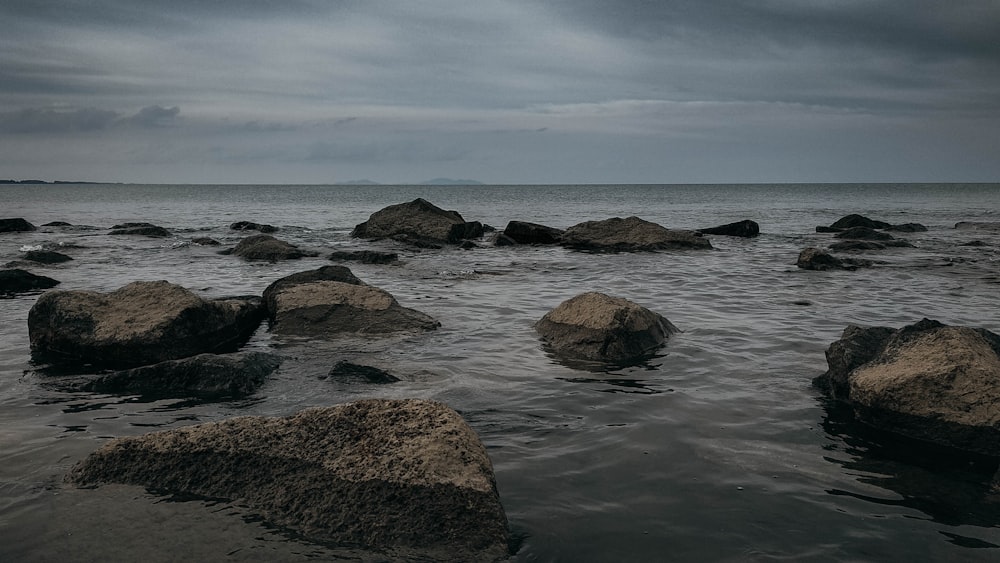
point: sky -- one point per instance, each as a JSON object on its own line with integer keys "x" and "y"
{"x": 502, "y": 92}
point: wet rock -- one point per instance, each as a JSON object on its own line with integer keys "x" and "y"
{"x": 139, "y": 324}
{"x": 15, "y": 225}
{"x": 812, "y": 258}
{"x": 266, "y": 247}
{"x": 856, "y": 220}
{"x": 206, "y": 376}
{"x": 365, "y": 256}
{"x": 142, "y": 229}
{"x": 326, "y": 273}
{"x": 46, "y": 257}
{"x": 206, "y": 241}
{"x": 468, "y": 245}
{"x": 251, "y": 226}
{"x": 17, "y": 280}
{"x": 979, "y": 243}
{"x": 504, "y": 240}
{"x": 629, "y": 235}
{"x": 344, "y": 369}
{"x": 925, "y": 381}
{"x": 523, "y": 232}
{"x": 745, "y": 229}
{"x": 600, "y": 328}
{"x": 907, "y": 228}
{"x": 986, "y": 226}
{"x": 406, "y": 477}
{"x": 418, "y": 221}
{"x": 57, "y": 224}
{"x": 863, "y": 233}
{"x": 856, "y": 246}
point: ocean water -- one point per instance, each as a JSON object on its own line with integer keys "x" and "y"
{"x": 718, "y": 449}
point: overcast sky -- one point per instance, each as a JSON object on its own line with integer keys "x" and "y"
{"x": 583, "y": 91}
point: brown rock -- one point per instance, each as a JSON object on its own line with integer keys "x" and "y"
{"x": 266, "y": 247}
{"x": 629, "y": 235}
{"x": 418, "y": 221}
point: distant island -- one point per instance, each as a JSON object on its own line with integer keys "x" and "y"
{"x": 361, "y": 182}
{"x": 44, "y": 182}
{"x": 450, "y": 182}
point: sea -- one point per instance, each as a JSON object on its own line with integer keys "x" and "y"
{"x": 717, "y": 449}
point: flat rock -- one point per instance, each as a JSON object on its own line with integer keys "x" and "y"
{"x": 987, "y": 226}
{"x": 863, "y": 233}
{"x": 407, "y": 477}
{"x": 907, "y": 228}
{"x": 251, "y": 226}
{"x": 142, "y": 229}
{"x": 17, "y": 280}
{"x": 745, "y": 228}
{"x": 418, "y": 221}
{"x": 46, "y": 257}
{"x": 599, "y": 328}
{"x": 365, "y": 256}
{"x": 15, "y": 225}
{"x": 350, "y": 370}
{"x": 925, "y": 381}
{"x": 139, "y": 324}
{"x": 266, "y": 247}
{"x": 629, "y": 235}
{"x": 523, "y": 232}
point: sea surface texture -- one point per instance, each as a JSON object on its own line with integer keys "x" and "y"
{"x": 717, "y": 449}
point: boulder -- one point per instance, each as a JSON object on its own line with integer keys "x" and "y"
{"x": 15, "y": 225}
{"x": 599, "y": 328}
{"x": 139, "y": 324}
{"x": 326, "y": 273}
{"x": 143, "y": 229}
{"x": 17, "y": 280}
{"x": 251, "y": 226}
{"x": 907, "y": 228}
{"x": 350, "y": 370}
{"x": 504, "y": 240}
{"x": 46, "y": 257}
{"x": 364, "y": 256}
{"x": 629, "y": 235}
{"x": 855, "y": 220}
{"x": 863, "y": 233}
{"x": 522, "y": 232}
{"x": 207, "y": 376}
{"x": 745, "y": 228}
{"x": 926, "y": 381}
{"x": 57, "y": 224}
{"x": 812, "y": 258}
{"x": 266, "y": 247}
{"x": 409, "y": 478}
{"x": 418, "y": 221}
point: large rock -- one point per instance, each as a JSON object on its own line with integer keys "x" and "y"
{"x": 15, "y": 225}
{"x": 407, "y": 477}
{"x": 600, "y": 328}
{"x": 522, "y": 232}
{"x": 207, "y": 376}
{"x": 629, "y": 235}
{"x": 926, "y": 381}
{"x": 266, "y": 247}
{"x": 141, "y": 323}
{"x": 143, "y": 229}
{"x": 745, "y": 228}
{"x": 17, "y": 280}
{"x": 251, "y": 226}
{"x": 812, "y": 258}
{"x": 863, "y": 233}
{"x": 418, "y": 221}
{"x": 326, "y": 273}
{"x": 854, "y": 220}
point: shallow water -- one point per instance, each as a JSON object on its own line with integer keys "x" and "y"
{"x": 718, "y": 449}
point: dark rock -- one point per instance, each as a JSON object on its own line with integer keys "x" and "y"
{"x": 629, "y": 235}
{"x": 856, "y": 246}
{"x": 504, "y": 240}
{"x": 57, "y": 224}
{"x": 863, "y": 233}
{"x": 205, "y": 241}
{"x": 596, "y": 327}
{"x": 15, "y": 225}
{"x": 266, "y": 247}
{"x": 326, "y": 273}
{"x": 345, "y": 369}
{"x": 974, "y": 243}
{"x": 745, "y": 228}
{"x": 468, "y": 245}
{"x": 139, "y": 324}
{"x": 522, "y": 232}
{"x": 812, "y": 258}
{"x": 250, "y": 226}
{"x": 46, "y": 257}
{"x": 855, "y": 220}
{"x": 828, "y": 230}
{"x": 418, "y": 221}
{"x": 19, "y": 281}
{"x": 925, "y": 381}
{"x": 390, "y": 475}
{"x": 207, "y": 376}
{"x": 985, "y": 226}
{"x": 143, "y": 229}
{"x": 907, "y": 228}
{"x": 365, "y": 256}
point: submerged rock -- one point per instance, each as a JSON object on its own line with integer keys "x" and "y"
{"x": 745, "y": 228}
{"x": 907, "y": 228}
{"x": 365, "y": 256}
{"x": 206, "y": 241}
{"x": 251, "y": 226}
{"x": 345, "y": 369}
{"x": 139, "y": 324}
{"x": 926, "y": 381}
{"x": 986, "y": 226}
{"x": 391, "y": 475}
{"x": 46, "y": 257}
{"x": 863, "y": 233}
{"x": 597, "y": 327}
{"x": 57, "y": 224}
{"x": 207, "y": 376}
{"x": 629, "y": 235}
{"x": 856, "y": 246}
{"x": 266, "y": 247}
{"x": 17, "y": 280}
{"x": 812, "y": 258}
{"x": 16, "y": 225}
{"x": 522, "y": 232}
{"x": 143, "y": 229}
{"x": 418, "y": 221}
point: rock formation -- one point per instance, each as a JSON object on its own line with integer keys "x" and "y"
{"x": 418, "y": 221}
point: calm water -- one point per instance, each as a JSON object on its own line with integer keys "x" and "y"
{"x": 717, "y": 450}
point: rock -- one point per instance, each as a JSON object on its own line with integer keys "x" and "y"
{"x": 855, "y": 220}
{"x": 974, "y": 243}
{"x": 19, "y": 281}
{"x": 856, "y": 246}
{"x": 522, "y": 232}
{"x": 629, "y": 235}
{"x": 926, "y": 381}
{"x": 986, "y": 226}
{"x": 907, "y": 228}
{"x": 596, "y": 327}
{"x": 745, "y": 229}
{"x": 139, "y": 324}
{"x": 144, "y": 229}
{"x": 205, "y": 241}
{"x": 16, "y": 225}
{"x": 405, "y": 476}
{"x": 468, "y": 245}
{"x": 326, "y": 273}
{"x": 327, "y": 308}
{"x": 418, "y": 221}
{"x": 266, "y": 247}
{"x": 250, "y": 226}
{"x": 207, "y": 376}
{"x": 812, "y": 258}
{"x": 57, "y": 224}
{"x": 365, "y": 256}
{"x": 46, "y": 257}
{"x": 345, "y": 369}
{"x": 504, "y": 240}
{"x": 863, "y": 233}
